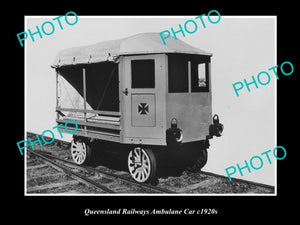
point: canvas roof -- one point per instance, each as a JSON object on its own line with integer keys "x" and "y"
{"x": 144, "y": 43}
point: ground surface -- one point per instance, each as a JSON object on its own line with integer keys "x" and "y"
{"x": 43, "y": 178}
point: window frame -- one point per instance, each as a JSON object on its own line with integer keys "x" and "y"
{"x": 133, "y": 85}
{"x": 194, "y": 75}
{"x": 192, "y": 62}
{"x": 185, "y": 59}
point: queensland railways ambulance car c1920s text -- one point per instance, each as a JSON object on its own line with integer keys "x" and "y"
{"x": 140, "y": 96}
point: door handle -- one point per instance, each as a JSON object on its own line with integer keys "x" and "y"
{"x": 125, "y": 92}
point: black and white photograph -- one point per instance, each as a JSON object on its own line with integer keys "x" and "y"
{"x": 167, "y": 113}
{"x": 152, "y": 106}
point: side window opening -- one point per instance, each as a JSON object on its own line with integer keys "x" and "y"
{"x": 178, "y": 74}
{"x": 143, "y": 73}
{"x": 199, "y": 77}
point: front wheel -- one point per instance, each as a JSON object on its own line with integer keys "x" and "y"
{"x": 142, "y": 164}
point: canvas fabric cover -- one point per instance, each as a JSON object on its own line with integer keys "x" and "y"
{"x": 144, "y": 43}
{"x": 102, "y": 73}
{"x": 102, "y": 88}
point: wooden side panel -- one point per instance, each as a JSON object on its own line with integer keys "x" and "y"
{"x": 193, "y": 114}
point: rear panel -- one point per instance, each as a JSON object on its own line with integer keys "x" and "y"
{"x": 193, "y": 114}
{"x": 189, "y": 99}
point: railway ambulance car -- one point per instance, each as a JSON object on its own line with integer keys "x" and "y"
{"x": 140, "y": 96}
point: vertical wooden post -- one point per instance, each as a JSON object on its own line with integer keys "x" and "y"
{"x": 208, "y": 82}
{"x": 84, "y": 98}
{"x": 57, "y": 114}
{"x": 189, "y": 77}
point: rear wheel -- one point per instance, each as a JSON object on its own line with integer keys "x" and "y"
{"x": 199, "y": 163}
{"x": 81, "y": 151}
{"x": 142, "y": 164}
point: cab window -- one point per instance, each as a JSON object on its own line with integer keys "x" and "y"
{"x": 178, "y": 74}
{"x": 143, "y": 73}
{"x": 199, "y": 77}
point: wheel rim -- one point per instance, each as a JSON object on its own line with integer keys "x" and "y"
{"x": 78, "y": 151}
{"x": 139, "y": 165}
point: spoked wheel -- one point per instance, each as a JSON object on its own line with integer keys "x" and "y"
{"x": 142, "y": 164}
{"x": 81, "y": 152}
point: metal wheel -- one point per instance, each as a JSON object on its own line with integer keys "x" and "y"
{"x": 142, "y": 164}
{"x": 199, "y": 163}
{"x": 80, "y": 151}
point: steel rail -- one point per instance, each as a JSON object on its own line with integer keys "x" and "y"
{"x": 93, "y": 170}
{"x": 239, "y": 180}
{"x": 73, "y": 174}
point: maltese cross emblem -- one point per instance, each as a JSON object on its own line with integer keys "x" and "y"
{"x": 143, "y": 108}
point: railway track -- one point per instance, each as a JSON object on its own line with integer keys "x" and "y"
{"x": 236, "y": 180}
{"x": 45, "y": 177}
{"x": 211, "y": 183}
{"x": 93, "y": 177}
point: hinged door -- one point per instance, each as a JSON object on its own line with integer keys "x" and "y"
{"x": 143, "y": 95}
